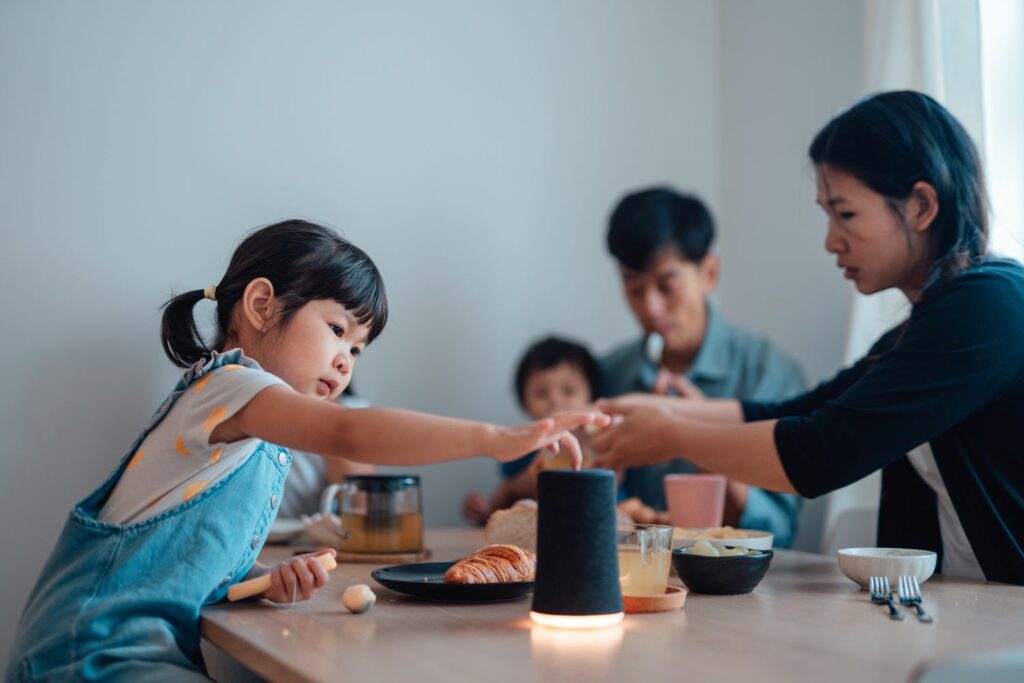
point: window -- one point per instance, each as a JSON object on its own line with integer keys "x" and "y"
{"x": 1002, "y": 71}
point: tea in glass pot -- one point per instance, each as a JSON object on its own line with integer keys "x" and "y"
{"x": 376, "y": 513}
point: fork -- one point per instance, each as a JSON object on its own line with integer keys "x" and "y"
{"x": 910, "y": 594}
{"x": 881, "y": 594}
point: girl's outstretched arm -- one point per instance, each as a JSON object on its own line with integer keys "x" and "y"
{"x": 389, "y": 436}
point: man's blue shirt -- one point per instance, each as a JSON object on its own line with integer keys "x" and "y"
{"x": 731, "y": 363}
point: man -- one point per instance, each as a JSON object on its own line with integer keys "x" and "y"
{"x": 662, "y": 240}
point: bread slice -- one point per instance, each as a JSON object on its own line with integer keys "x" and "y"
{"x": 515, "y": 526}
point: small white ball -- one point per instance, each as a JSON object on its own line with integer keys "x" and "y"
{"x": 358, "y": 598}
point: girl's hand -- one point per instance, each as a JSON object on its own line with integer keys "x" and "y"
{"x": 509, "y": 443}
{"x": 642, "y": 435}
{"x": 298, "y": 578}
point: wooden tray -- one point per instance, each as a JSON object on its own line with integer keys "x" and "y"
{"x": 673, "y": 599}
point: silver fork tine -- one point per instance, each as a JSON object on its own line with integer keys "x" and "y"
{"x": 906, "y": 594}
{"x": 914, "y": 591}
{"x": 876, "y": 591}
{"x": 887, "y": 594}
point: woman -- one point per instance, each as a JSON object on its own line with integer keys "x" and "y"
{"x": 937, "y": 404}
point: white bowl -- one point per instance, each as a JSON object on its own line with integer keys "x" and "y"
{"x": 860, "y": 564}
{"x": 754, "y": 540}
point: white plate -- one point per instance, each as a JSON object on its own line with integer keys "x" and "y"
{"x": 284, "y": 530}
{"x": 755, "y": 539}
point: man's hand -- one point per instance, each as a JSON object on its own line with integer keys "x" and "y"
{"x": 667, "y": 381}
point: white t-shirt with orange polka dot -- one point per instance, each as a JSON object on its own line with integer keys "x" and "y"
{"x": 176, "y": 461}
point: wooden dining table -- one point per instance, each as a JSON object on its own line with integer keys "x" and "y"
{"x": 805, "y": 621}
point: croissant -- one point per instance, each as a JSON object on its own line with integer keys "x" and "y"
{"x": 498, "y": 563}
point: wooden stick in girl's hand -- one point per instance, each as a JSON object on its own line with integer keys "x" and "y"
{"x": 261, "y": 584}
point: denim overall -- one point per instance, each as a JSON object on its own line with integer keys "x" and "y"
{"x": 121, "y": 602}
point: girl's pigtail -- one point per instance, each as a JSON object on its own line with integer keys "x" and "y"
{"x": 181, "y": 339}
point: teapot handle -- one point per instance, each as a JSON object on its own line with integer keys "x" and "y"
{"x": 326, "y": 513}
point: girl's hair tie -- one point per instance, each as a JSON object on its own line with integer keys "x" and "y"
{"x": 210, "y": 292}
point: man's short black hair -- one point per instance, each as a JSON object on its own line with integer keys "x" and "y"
{"x": 551, "y": 352}
{"x": 647, "y": 221}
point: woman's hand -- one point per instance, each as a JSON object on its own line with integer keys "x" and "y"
{"x": 639, "y": 400}
{"x": 553, "y": 433}
{"x": 298, "y": 578}
{"x": 646, "y": 435}
{"x": 720, "y": 411}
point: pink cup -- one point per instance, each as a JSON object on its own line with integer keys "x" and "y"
{"x": 695, "y": 501}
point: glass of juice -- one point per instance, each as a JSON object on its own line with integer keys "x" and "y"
{"x": 645, "y": 557}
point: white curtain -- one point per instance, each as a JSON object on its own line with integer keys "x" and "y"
{"x": 1002, "y": 59}
{"x": 932, "y": 46}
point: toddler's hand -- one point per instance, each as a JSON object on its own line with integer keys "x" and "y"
{"x": 298, "y": 578}
{"x": 476, "y": 508}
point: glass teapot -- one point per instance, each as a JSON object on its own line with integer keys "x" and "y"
{"x": 376, "y": 513}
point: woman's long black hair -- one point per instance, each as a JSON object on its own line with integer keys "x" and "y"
{"x": 895, "y": 139}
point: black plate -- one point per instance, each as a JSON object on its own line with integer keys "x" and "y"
{"x": 424, "y": 580}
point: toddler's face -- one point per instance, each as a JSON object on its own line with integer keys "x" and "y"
{"x": 555, "y": 390}
{"x": 315, "y": 352}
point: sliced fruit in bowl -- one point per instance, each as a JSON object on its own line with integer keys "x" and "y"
{"x": 723, "y": 535}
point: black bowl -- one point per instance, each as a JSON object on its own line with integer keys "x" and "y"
{"x": 732, "y": 575}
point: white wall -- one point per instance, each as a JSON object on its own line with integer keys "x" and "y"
{"x": 473, "y": 152}
{"x": 786, "y": 69}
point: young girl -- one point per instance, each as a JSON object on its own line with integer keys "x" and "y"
{"x": 937, "y": 403}
{"x": 187, "y": 510}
